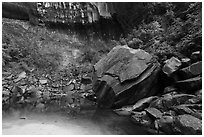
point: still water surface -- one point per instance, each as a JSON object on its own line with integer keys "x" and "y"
{"x": 87, "y": 122}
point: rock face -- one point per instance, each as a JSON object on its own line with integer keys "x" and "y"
{"x": 124, "y": 76}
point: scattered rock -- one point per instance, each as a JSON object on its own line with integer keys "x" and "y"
{"x": 86, "y": 80}
{"x": 16, "y": 89}
{"x": 122, "y": 74}
{"x": 169, "y": 89}
{"x": 185, "y": 62}
{"x": 20, "y": 76}
{"x": 194, "y": 106}
{"x": 194, "y": 100}
{"x": 171, "y": 66}
{"x": 191, "y": 71}
{"x": 87, "y": 87}
{"x": 199, "y": 92}
{"x": 6, "y": 74}
{"x": 166, "y": 124}
{"x": 184, "y": 109}
{"x": 124, "y": 111}
{"x": 190, "y": 85}
{"x": 169, "y": 113}
{"x": 189, "y": 124}
{"x": 56, "y": 85}
{"x": 154, "y": 113}
{"x": 168, "y": 100}
{"x": 143, "y": 119}
{"x": 143, "y": 103}
{"x": 68, "y": 88}
{"x": 196, "y": 56}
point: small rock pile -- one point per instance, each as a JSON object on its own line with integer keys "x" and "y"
{"x": 39, "y": 90}
{"x": 178, "y": 110}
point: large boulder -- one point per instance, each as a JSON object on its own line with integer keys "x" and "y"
{"x": 125, "y": 76}
{"x": 188, "y": 124}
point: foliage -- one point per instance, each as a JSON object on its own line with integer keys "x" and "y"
{"x": 170, "y": 33}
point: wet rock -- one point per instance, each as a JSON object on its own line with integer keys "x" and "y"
{"x": 142, "y": 119}
{"x": 171, "y": 66}
{"x": 196, "y": 56}
{"x": 190, "y": 85}
{"x": 184, "y": 109}
{"x": 194, "y": 100}
{"x": 191, "y": 71}
{"x": 143, "y": 103}
{"x": 167, "y": 101}
{"x": 9, "y": 77}
{"x": 189, "y": 124}
{"x": 120, "y": 77}
{"x": 166, "y": 124}
{"x": 154, "y": 113}
{"x": 169, "y": 113}
{"x": 124, "y": 111}
{"x": 194, "y": 106}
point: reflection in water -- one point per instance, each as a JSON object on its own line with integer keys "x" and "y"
{"x": 88, "y": 121}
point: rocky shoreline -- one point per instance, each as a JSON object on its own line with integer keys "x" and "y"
{"x": 176, "y": 109}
